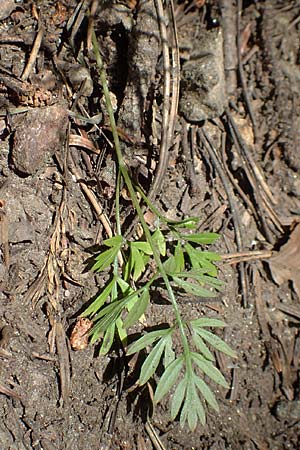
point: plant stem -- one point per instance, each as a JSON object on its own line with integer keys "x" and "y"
{"x": 134, "y": 198}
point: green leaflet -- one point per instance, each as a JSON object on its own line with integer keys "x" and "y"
{"x": 200, "y": 238}
{"x": 201, "y": 259}
{"x": 188, "y": 223}
{"x": 130, "y": 296}
{"x": 106, "y": 318}
{"x": 114, "y": 241}
{"x": 206, "y": 393}
{"x": 179, "y": 258}
{"x": 194, "y": 289}
{"x": 169, "y": 354}
{"x": 145, "y": 247}
{"x": 148, "y": 339}
{"x": 216, "y": 342}
{"x": 138, "y": 258}
{"x": 121, "y": 331}
{"x": 207, "y": 322}
{"x": 105, "y": 259}
{"x": 202, "y": 347}
{"x": 110, "y": 308}
{"x": 192, "y": 408}
{"x": 108, "y": 339}
{"x": 175, "y": 263}
{"x": 170, "y": 265}
{"x": 168, "y": 379}
{"x": 196, "y": 411}
{"x": 209, "y": 369}
{"x": 178, "y": 397}
{"x": 138, "y": 310}
{"x": 159, "y": 240}
{"x": 199, "y": 275}
{"x": 151, "y": 362}
{"x": 125, "y": 287}
{"x": 138, "y": 263}
{"x": 100, "y": 300}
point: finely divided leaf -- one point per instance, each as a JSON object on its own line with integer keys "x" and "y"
{"x": 192, "y": 408}
{"x": 168, "y": 379}
{"x": 114, "y": 241}
{"x": 124, "y": 286}
{"x": 121, "y": 331}
{"x": 200, "y": 259}
{"x": 106, "y": 258}
{"x": 130, "y": 296}
{"x": 106, "y": 317}
{"x": 137, "y": 261}
{"x": 170, "y": 265}
{"x": 200, "y": 411}
{"x": 196, "y": 410}
{"x": 200, "y": 276}
{"x": 187, "y": 410}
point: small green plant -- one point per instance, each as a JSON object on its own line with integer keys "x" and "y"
{"x": 173, "y": 258}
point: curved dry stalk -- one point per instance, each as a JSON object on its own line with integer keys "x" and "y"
{"x": 175, "y": 76}
{"x": 164, "y": 144}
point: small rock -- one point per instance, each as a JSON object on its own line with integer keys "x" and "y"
{"x": 203, "y": 94}
{"x": 39, "y": 134}
{"x": 285, "y": 410}
{"x": 7, "y": 7}
{"x": 80, "y": 78}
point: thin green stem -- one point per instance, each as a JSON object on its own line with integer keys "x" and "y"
{"x": 134, "y": 198}
{"x": 118, "y": 220}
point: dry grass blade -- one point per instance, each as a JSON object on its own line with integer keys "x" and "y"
{"x": 234, "y": 258}
{"x": 84, "y": 142}
{"x": 92, "y": 198}
{"x": 64, "y": 361}
{"x": 4, "y": 239}
{"x": 33, "y": 55}
{"x": 9, "y": 392}
{"x": 157, "y": 444}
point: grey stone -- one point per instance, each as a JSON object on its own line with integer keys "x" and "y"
{"x": 203, "y": 94}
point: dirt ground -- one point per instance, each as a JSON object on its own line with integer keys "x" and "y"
{"x": 233, "y": 161}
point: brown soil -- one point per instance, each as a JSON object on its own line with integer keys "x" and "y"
{"x": 238, "y": 171}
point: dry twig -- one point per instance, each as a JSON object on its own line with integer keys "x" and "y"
{"x": 233, "y": 207}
